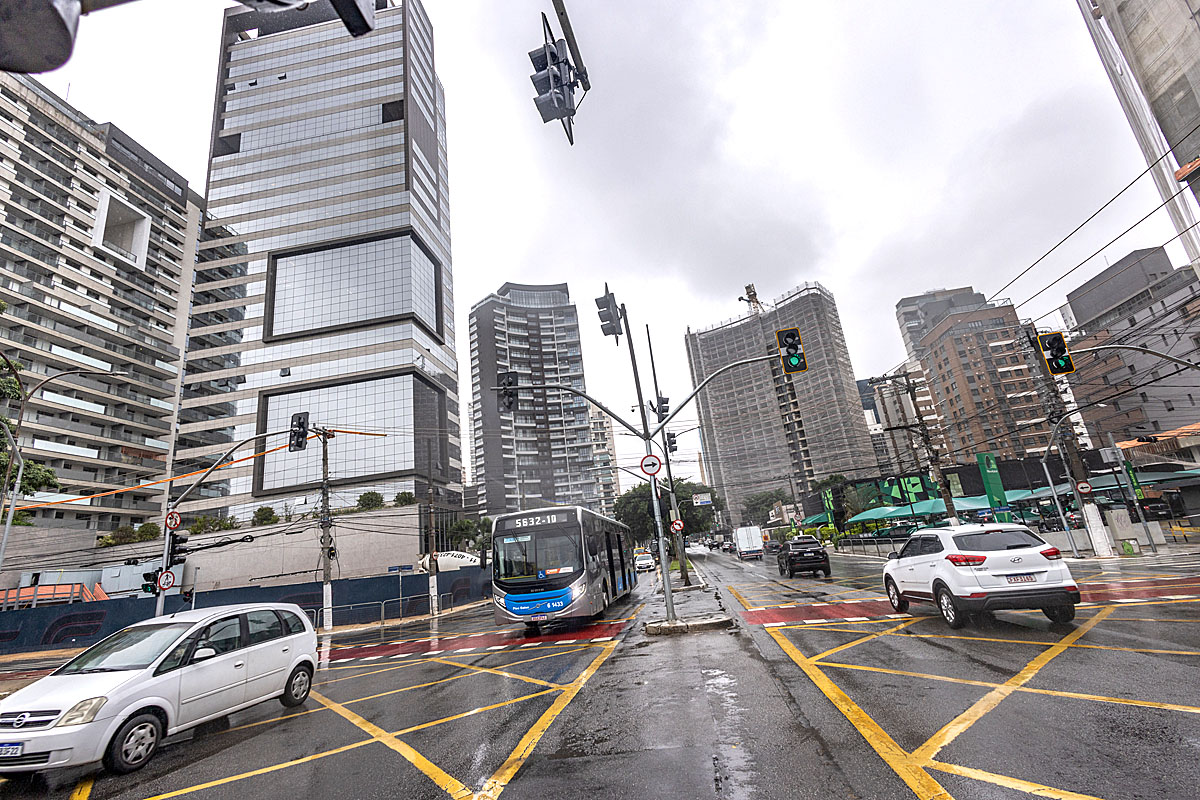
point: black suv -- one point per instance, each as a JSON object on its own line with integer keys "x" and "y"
{"x": 803, "y": 554}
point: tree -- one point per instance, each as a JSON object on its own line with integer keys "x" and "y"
{"x": 405, "y": 499}
{"x": 370, "y": 500}
{"x": 147, "y": 531}
{"x": 633, "y": 509}
{"x": 832, "y": 480}
{"x": 462, "y": 531}
{"x": 757, "y": 507}
{"x": 264, "y": 515}
{"x": 36, "y": 477}
{"x": 204, "y": 523}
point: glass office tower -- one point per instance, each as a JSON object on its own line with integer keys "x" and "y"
{"x": 323, "y": 275}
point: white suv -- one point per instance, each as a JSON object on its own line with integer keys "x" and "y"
{"x": 973, "y": 568}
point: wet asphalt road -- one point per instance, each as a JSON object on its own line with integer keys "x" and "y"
{"x": 820, "y": 691}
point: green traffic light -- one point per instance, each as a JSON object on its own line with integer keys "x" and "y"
{"x": 794, "y": 361}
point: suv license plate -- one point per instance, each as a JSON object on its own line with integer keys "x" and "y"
{"x": 1021, "y": 579}
{"x": 540, "y": 617}
{"x": 8, "y": 749}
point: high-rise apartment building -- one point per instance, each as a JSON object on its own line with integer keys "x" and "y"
{"x": 608, "y": 478}
{"x": 763, "y": 430}
{"x": 1141, "y": 300}
{"x": 97, "y": 242}
{"x": 1150, "y": 50}
{"x": 324, "y": 276}
{"x": 543, "y": 451}
{"x": 985, "y": 384}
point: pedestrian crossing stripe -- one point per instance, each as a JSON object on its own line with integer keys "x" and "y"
{"x": 494, "y": 648}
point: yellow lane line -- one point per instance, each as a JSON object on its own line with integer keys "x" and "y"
{"x": 867, "y": 638}
{"x": 738, "y": 595}
{"x": 1048, "y": 644}
{"x": 1099, "y": 698}
{"x": 272, "y": 720}
{"x": 922, "y": 785}
{"x": 378, "y": 669}
{"x": 513, "y": 675}
{"x": 440, "y": 777}
{"x": 83, "y": 789}
{"x": 1192, "y": 620}
{"x": 472, "y": 712}
{"x": 837, "y": 624}
{"x": 495, "y": 784}
{"x": 949, "y": 732}
{"x": 1035, "y": 789}
{"x": 263, "y": 771}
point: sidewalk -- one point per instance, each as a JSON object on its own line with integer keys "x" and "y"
{"x": 697, "y": 607}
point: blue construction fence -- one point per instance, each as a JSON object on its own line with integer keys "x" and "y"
{"x": 355, "y": 600}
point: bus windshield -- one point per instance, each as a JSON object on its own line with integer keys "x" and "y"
{"x": 537, "y": 554}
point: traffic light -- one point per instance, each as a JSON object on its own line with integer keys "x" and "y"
{"x": 791, "y": 350}
{"x": 150, "y": 581}
{"x": 1054, "y": 350}
{"x": 672, "y": 446}
{"x": 552, "y": 81}
{"x": 298, "y": 436}
{"x": 610, "y": 314}
{"x": 176, "y": 552}
{"x": 507, "y": 381}
{"x": 663, "y": 407}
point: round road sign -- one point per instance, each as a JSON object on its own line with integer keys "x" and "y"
{"x": 166, "y": 580}
{"x": 677, "y": 525}
{"x": 651, "y": 464}
{"x": 173, "y": 520}
{"x": 1084, "y": 487}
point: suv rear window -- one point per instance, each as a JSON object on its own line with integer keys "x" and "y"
{"x": 1006, "y": 539}
{"x": 803, "y": 543}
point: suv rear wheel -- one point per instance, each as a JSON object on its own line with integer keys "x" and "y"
{"x": 948, "y": 606}
{"x": 1060, "y": 613}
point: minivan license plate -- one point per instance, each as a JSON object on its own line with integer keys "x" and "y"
{"x": 540, "y": 617}
{"x": 8, "y": 749}
{"x": 1021, "y": 579}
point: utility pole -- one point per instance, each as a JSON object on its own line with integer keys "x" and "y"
{"x": 432, "y": 547}
{"x": 326, "y": 526}
{"x": 1123, "y": 481}
{"x": 677, "y": 536}
{"x": 935, "y": 467}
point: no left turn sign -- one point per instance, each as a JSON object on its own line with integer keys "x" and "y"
{"x": 651, "y": 464}
{"x": 677, "y": 525}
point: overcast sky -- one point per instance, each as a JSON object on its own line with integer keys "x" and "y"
{"x": 880, "y": 148}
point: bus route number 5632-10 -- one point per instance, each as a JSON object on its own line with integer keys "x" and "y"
{"x": 525, "y": 522}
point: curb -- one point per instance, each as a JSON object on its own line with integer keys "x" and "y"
{"x": 710, "y": 622}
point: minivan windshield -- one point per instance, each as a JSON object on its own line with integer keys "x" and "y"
{"x": 133, "y": 648}
{"x": 1002, "y": 539}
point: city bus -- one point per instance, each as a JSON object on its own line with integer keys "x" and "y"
{"x": 558, "y": 563}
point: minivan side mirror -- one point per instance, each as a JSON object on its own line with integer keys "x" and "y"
{"x": 893, "y": 555}
{"x": 203, "y": 654}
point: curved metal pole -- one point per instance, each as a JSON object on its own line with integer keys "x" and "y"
{"x": 1137, "y": 349}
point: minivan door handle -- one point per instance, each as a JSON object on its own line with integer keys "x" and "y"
{"x": 286, "y": 649}
{"x": 239, "y": 664}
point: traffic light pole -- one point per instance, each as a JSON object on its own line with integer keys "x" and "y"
{"x": 220, "y": 462}
{"x": 326, "y": 526}
{"x": 677, "y": 536}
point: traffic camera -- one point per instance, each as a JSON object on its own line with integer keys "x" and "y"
{"x": 507, "y": 381}
{"x": 791, "y": 351}
{"x": 298, "y": 435}
{"x": 1054, "y": 350}
{"x": 610, "y": 314}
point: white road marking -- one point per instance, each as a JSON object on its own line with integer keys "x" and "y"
{"x": 466, "y": 649}
{"x": 401, "y": 655}
{"x": 773, "y": 624}
{"x": 370, "y": 658}
{"x": 603, "y": 639}
{"x": 530, "y": 644}
{"x": 498, "y": 647}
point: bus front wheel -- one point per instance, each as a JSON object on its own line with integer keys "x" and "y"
{"x": 532, "y": 629}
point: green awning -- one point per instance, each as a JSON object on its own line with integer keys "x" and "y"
{"x": 816, "y": 519}
{"x": 880, "y": 512}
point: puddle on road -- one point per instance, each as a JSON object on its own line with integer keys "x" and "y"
{"x": 733, "y": 768}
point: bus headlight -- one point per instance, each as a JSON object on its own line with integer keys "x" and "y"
{"x": 578, "y": 590}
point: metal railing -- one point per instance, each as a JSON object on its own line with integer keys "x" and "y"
{"x": 378, "y": 612}
{"x": 870, "y": 545}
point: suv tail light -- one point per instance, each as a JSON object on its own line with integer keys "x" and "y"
{"x": 1051, "y": 553}
{"x": 961, "y": 560}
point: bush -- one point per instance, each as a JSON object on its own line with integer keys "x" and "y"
{"x": 264, "y": 515}
{"x": 147, "y": 531}
{"x": 370, "y": 500}
{"x": 406, "y": 499}
{"x": 124, "y": 535}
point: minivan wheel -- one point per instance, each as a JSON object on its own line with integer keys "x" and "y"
{"x": 298, "y": 685}
{"x": 134, "y": 744}
{"x": 951, "y": 613}
{"x": 1059, "y": 613}
{"x": 894, "y": 597}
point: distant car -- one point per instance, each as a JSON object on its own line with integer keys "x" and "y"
{"x": 643, "y": 562}
{"x": 772, "y": 547}
{"x": 803, "y": 554}
{"x": 116, "y": 701}
{"x": 894, "y": 531}
{"x": 727, "y": 547}
{"x": 972, "y": 568}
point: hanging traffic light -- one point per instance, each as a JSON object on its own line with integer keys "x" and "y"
{"x": 610, "y": 314}
{"x": 672, "y": 446}
{"x": 662, "y": 408}
{"x": 552, "y": 81}
{"x": 507, "y": 381}
{"x": 791, "y": 350}
{"x": 1054, "y": 350}
{"x": 298, "y": 435}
